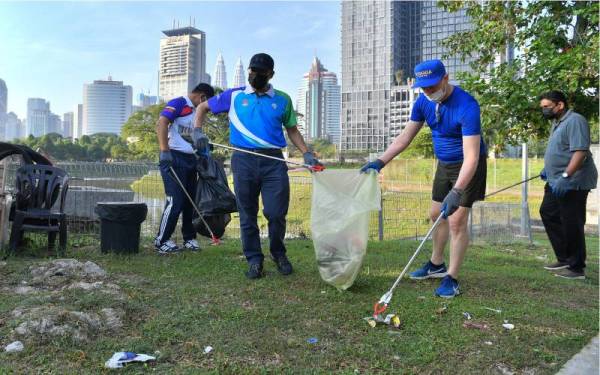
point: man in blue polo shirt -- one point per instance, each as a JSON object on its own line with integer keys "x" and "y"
{"x": 454, "y": 119}
{"x": 257, "y": 115}
{"x": 174, "y": 131}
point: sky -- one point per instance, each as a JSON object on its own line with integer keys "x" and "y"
{"x": 50, "y": 49}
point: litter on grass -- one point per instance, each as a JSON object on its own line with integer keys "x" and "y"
{"x": 119, "y": 359}
{"x": 208, "y": 349}
{"x": 392, "y": 320}
{"x": 312, "y": 340}
{"x": 467, "y": 316}
{"x": 494, "y": 310}
{"x": 15, "y": 346}
{"x": 508, "y": 326}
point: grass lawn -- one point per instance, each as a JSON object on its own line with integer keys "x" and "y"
{"x": 178, "y": 305}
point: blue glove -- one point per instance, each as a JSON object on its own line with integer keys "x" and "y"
{"x": 165, "y": 159}
{"x": 543, "y": 175}
{"x": 451, "y": 202}
{"x": 561, "y": 187}
{"x": 200, "y": 142}
{"x": 309, "y": 159}
{"x": 376, "y": 165}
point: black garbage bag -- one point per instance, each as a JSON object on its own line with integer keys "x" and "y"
{"x": 213, "y": 197}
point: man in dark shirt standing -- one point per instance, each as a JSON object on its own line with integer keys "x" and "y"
{"x": 570, "y": 174}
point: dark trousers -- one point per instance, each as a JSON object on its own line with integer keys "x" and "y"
{"x": 177, "y": 202}
{"x": 254, "y": 176}
{"x": 564, "y": 220}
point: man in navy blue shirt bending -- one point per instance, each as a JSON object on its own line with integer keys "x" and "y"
{"x": 454, "y": 119}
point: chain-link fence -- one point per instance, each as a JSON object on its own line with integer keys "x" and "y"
{"x": 406, "y": 199}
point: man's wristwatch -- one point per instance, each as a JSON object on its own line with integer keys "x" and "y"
{"x": 565, "y": 175}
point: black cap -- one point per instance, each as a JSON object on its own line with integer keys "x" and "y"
{"x": 262, "y": 61}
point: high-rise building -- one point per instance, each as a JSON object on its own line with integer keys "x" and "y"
{"x": 239, "y": 79}
{"x": 78, "y": 121}
{"x": 145, "y": 101}
{"x": 106, "y": 106}
{"x": 381, "y": 44}
{"x": 220, "y": 76}
{"x": 54, "y": 124}
{"x": 402, "y": 99}
{"x": 182, "y": 62}
{"x": 67, "y": 125}
{"x": 38, "y": 117}
{"x": 319, "y": 103}
{"x": 3, "y": 98}
{"x": 3, "y": 108}
{"x": 14, "y": 128}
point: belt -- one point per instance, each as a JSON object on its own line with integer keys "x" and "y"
{"x": 265, "y": 151}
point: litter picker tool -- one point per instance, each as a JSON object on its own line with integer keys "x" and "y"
{"x": 215, "y": 240}
{"x": 511, "y": 186}
{"x": 314, "y": 168}
{"x": 384, "y": 301}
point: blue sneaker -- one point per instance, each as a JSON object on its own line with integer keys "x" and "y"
{"x": 448, "y": 288}
{"x": 429, "y": 270}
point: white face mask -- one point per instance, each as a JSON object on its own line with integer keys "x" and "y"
{"x": 437, "y": 96}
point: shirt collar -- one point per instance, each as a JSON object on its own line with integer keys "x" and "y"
{"x": 556, "y": 123}
{"x": 250, "y": 90}
{"x": 189, "y": 101}
{"x": 563, "y": 117}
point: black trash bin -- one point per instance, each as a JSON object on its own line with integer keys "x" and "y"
{"x": 120, "y": 224}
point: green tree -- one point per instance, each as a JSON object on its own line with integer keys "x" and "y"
{"x": 556, "y": 48}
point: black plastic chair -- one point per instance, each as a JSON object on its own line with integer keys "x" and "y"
{"x": 38, "y": 188}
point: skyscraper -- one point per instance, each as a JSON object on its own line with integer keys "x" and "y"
{"x": 67, "y": 125}
{"x": 220, "y": 76}
{"x": 14, "y": 128}
{"x": 182, "y": 62}
{"x": 38, "y": 117}
{"x": 54, "y": 124}
{"x": 3, "y": 98}
{"x": 78, "y": 121}
{"x": 239, "y": 79}
{"x": 381, "y": 44}
{"x": 106, "y": 106}
{"x": 319, "y": 103}
{"x": 3, "y": 108}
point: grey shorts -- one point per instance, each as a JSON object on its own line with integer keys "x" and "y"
{"x": 446, "y": 176}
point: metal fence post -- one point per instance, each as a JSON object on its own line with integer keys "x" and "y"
{"x": 381, "y": 219}
{"x": 525, "y": 223}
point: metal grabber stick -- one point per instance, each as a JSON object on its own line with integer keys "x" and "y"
{"x": 513, "y": 185}
{"x": 215, "y": 240}
{"x": 314, "y": 168}
{"x": 383, "y": 302}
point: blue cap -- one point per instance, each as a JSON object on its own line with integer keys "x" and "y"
{"x": 429, "y": 73}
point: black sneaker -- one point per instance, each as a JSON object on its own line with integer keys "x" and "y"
{"x": 556, "y": 266}
{"x": 283, "y": 265}
{"x": 570, "y": 274}
{"x": 255, "y": 271}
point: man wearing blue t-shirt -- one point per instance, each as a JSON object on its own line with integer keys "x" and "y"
{"x": 257, "y": 115}
{"x": 174, "y": 131}
{"x": 454, "y": 119}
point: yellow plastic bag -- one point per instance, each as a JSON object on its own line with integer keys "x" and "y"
{"x": 341, "y": 202}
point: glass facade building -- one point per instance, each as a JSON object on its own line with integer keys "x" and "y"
{"x": 318, "y": 103}
{"x": 381, "y": 44}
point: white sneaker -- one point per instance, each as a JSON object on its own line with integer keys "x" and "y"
{"x": 191, "y": 245}
{"x": 166, "y": 248}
